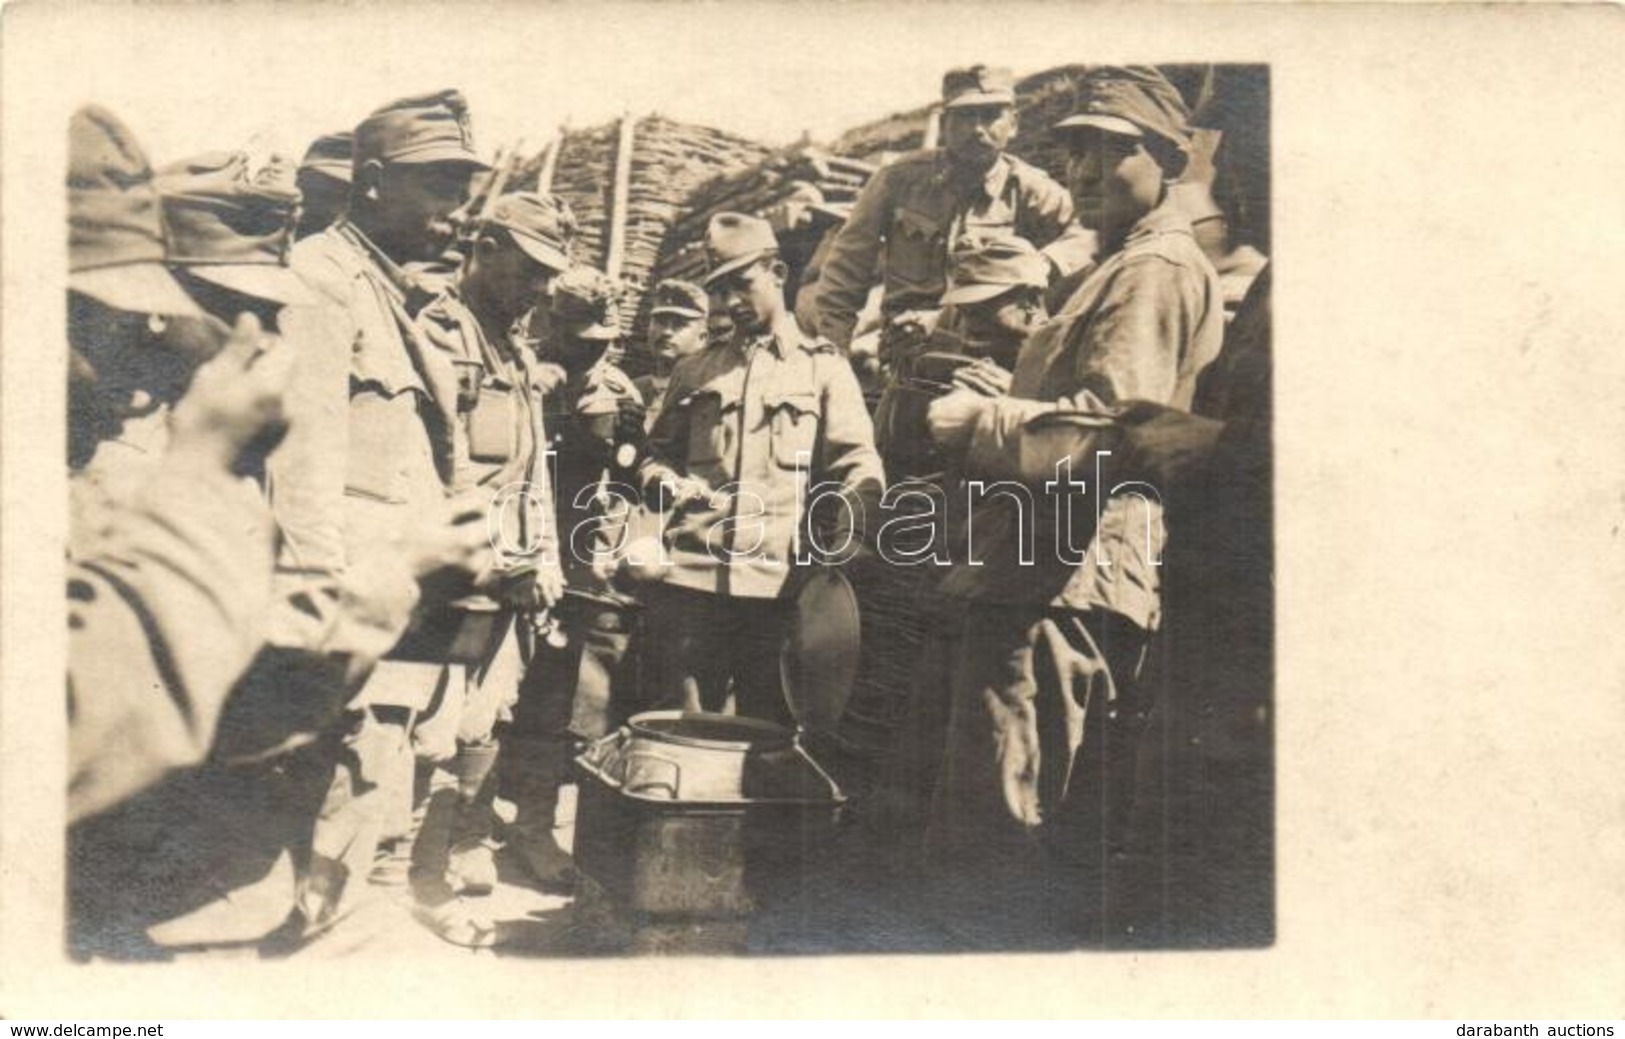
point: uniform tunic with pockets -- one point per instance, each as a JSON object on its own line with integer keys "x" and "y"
{"x": 776, "y": 428}
{"x": 909, "y": 216}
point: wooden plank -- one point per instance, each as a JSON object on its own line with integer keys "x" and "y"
{"x": 550, "y": 162}
{"x": 617, "y": 211}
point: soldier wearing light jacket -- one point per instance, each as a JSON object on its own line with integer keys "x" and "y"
{"x": 914, "y": 211}
{"x": 754, "y": 437}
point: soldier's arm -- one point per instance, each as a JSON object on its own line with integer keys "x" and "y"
{"x": 1147, "y": 318}
{"x": 849, "y": 456}
{"x": 853, "y": 263}
{"x": 326, "y": 602}
{"x": 1129, "y": 349}
{"x": 446, "y": 336}
{"x": 163, "y": 620}
{"x": 306, "y": 474}
{"x": 666, "y": 450}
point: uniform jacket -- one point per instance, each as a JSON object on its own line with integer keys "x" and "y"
{"x": 167, "y": 606}
{"x": 761, "y": 423}
{"x": 1141, "y": 325}
{"x": 591, "y": 515}
{"x": 909, "y": 215}
{"x": 369, "y": 448}
{"x": 499, "y": 439}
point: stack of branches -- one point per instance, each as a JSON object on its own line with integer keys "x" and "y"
{"x": 669, "y": 162}
{"x": 801, "y": 190}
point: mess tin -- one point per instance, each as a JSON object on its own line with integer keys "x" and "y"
{"x": 901, "y": 431}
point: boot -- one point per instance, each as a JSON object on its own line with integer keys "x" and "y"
{"x": 533, "y": 772}
{"x": 471, "y": 868}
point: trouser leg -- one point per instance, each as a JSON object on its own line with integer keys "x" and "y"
{"x": 1100, "y": 799}
{"x": 908, "y": 773}
{"x": 1020, "y": 680}
{"x": 758, "y": 628}
{"x": 488, "y": 700}
{"x": 345, "y": 838}
{"x": 536, "y": 761}
{"x": 606, "y": 682}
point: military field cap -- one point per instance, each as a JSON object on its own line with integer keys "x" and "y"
{"x": 423, "y": 129}
{"x": 683, "y": 298}
{"x": 332, "y": 154}
{"x": 978, "y": 85}
{"x": 1131, "y": 100}
{"x": 231, "y": 226}
{"x": 734, "y": 240}
{"x": 981, "y": 269}
{"x": 115, "y": 230}
{"x": 587, "y": 304}
{"x": 542, "y": 225}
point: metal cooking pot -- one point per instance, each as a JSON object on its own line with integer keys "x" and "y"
{"x": 710, "y": 758}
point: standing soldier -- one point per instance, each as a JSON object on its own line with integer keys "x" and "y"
{"x": 995, "y": 299}
{"x": 911, "y": 212}
{"x": 169, "y": 579}
{"x": 677, "y": 329}
{"x": 324, "y": 182}
{"x": 517, "y": 249}
{"x": 374, "y": 406}
{"x": 168, "y": 591}
{"x": 595, "y": 419}
{"x": 749, "y": 430}
{"x": 1066, "y": 634}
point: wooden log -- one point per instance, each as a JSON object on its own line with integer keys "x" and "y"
{"x": 933, "y": 128}
{"x": 550, "y": 162}
{"x": 617, "y": 212}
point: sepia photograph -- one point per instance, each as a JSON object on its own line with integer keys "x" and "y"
{"x": 557, "y": 483}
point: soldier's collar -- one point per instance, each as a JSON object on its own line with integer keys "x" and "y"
{"x": 782, "y": 340}
{"x": 405, "y": 286}
{"x": 997, "y": 177}
{"x": 1164, "y": 218}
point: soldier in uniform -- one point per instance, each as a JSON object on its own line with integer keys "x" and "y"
{"x": 208, "y": 856}
{"x": 913, "y": 211}
{"x": 994, "y": 300}
{"x": 167, "y": 590}
{"x": 169, "y": 577}
{"x": 324, "y": 182}
{"x": 748, "y": 430}
{"x": 517, "y": 249}
{"x": 573, "y": 691}
{"x": 375, "y": 411}
{"x": 678, "y": 323}
{"x": 1048, "y": 642}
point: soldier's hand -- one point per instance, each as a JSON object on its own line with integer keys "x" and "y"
{"x": 235, "y": 400}
{"x": 952, "y": 417}
{"x": 684, "y": 490}
{"x": 453, "y": 537}
{"x": 547, "y": 377}
{"x": 549, "y": 584}
{"x": 984, "y": 377}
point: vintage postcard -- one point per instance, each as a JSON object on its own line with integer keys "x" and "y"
{"x": 887, "y": 509}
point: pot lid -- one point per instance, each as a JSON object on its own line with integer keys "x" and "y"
{"x": 818, "y": 661}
